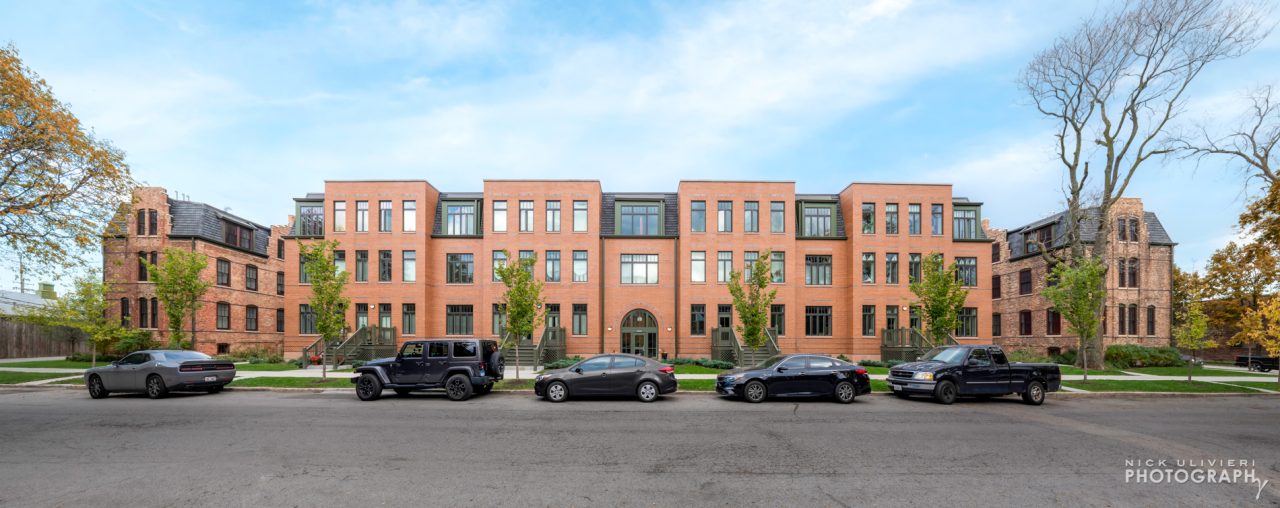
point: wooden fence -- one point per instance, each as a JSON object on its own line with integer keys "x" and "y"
{"x": 25, "y": 340}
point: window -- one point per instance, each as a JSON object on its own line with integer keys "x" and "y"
{"x": 124, "y": 313}
{"x": 527, "y": 254}
{"x": 1053, "y": 322}
{"x": 638, "y": 219}
{"x": 724, "y": 317}
{"x": 724, "y": 216}
{"x": 913, "y": 219}
{"x": 280, "y": 320}
{"x": 817, "y": 220}
{"x": 1133, "y": 272}
{"x": 303, "y": 276}
{"x": 384, "y": 266}
{"x": 384, "y": 315}
{"x": 639, "y": 268}
{"x": 724, "y": 265}
{"x": 362, "y": 216}
{"x": 1151, "y": 320}
{"x": 251, "y": 318}
{"x": 526, "y": 216}
{"x": 306, "y": 320}
{"x": 995, "y": 286}
{"x": 458, "y": 320}
{"x": 594, "y": 364}
{"x": 142, "y": 314}
{"x": 362, "y": 266}
{"x": 499, "y": 216}
{"x": 964, "y": 223}
{"x": 777, "y": 217}
{"x": 817, "y": 270}
{"x": 499, "y": 259}
{"x": 1024, "y": 282}
{"x": 459, "y": 268}
{"x": 937, "y": 220}
{"x": 553, "y": 216}
{"x": 279, "y": 283}
{"x": 409, "y": 215}
{"x": 384, "y": 216}
{"x": 698, "y": 216}
{"x": 778, "y": 264}
{"x": 1122, "y": 230}
{"x": 967, "y": 271}
{"x": 409, "y": 319}
{"x": 280, "y": 249}
{"x": 913, "y": 318}
{"x": 339, "y": 216}
{"x": 995, "y": 251}
{"x": 868, "y": 268}
{"x": 891, "y": 268}
{"x": 868, "y": 320}
{"x": 751, "y": 217}
{"x": 251, "y": 277}
{"x": 913, "y": 268}
{"x": 553, "y": 266}
{"x": 240, "y": 236}
{"x": 778, "y": 319}
{"x": 499, "y": 319}
{"x": 579, "y": 216}
{"x": 224, "y": 316}
{"x": 579, "y": 266}
{"x": 155, "y": 312}
{"x": 698, "y": 266}
{"x": 460, "y": 218}
{"x": 891, "y": 218}
{"x": 224, "y": 272}
{"x": 579, "y": 319}
{"x": 464, "y": 349}
{"x": 152, "y": 216}
{"x": 1133, "y": 227}
{"x": 698, "y": 319}
{"x": 1123, "y": 321}
{"x": 1024, "y": 322}
{"x": 362, "y": 315}
{"x": 436, "y": 350}
{"x": 409, "y": 266}
{"x": 553, "y": 315}
{"x": 142, "y": 266}
{"x": 817, "y": 321}
{"x": 868, "y": 218}
{"x": 749, "y": 259}
{"x": 995, "y": 325}
{"x": 310, "y": 220}
{"x": 1133, "y": 319}
{"x": 967, "y": 322}
{"x": 141, "y": 222}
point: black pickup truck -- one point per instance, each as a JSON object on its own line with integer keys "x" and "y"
{"x": 1258, "y": 363}
{"x": 981, "y": 370}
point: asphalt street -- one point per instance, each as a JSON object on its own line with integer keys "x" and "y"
{"x": 237, "y": 448}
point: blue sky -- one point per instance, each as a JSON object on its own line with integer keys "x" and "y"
{"x": 248, "y": 104}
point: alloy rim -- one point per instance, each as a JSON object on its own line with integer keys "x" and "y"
{"x": 366, "y": 387}
{"x": 556, "y": 392}
{"x": 1036, "y": 392}
{"x": 456, "y": 389}
{"x": 754, "y": 392}
{"x": 846, "y": 392}
{"x": 153, "y": 386}
{"x": 647, "y": 391}
{"x": 95, "y": 387}
{"x": 948, "y": 392}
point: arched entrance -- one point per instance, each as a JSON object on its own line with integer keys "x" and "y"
{"x": 640, "y": 333}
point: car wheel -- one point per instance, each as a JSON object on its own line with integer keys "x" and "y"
{"x": 403, "y": 391}
{"x": 1255, "y": 367}
{"x": 754, "y": 392}
{"x": 458, "y": 387}
{"x": 945, "y": 392}
{"x": 557, "y": 392}
{"x": 215, "y": 389}
{"x": 156, "y": 388}
{"x": 96, "y": 389}
{"x": 845, "y": 393}
{"x": 647, "y": 391}
{"x": 1034, "y": 394}
{"x": 498, "y": 363}
{"x": 368, "y": 387}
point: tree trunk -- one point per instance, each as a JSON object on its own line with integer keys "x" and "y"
{"x": 517, "y": 360}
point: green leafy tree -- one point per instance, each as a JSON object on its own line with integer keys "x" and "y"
{"x": 753, "y": 300}
{"x": 179, "y": 287}
{"x": 84, "y": 308}
{"x": 523, "y": 300}
{"x": 940, "y": 296}
{"x": 1078, "y": 294}
{"x": 1190, "y": 333}
{"x": 327, "y": 285}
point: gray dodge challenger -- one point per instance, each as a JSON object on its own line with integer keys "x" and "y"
{"x": 157, "y": 372}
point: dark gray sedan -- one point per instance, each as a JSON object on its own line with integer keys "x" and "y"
{"x": 608, "y": 375}
{"x": 157, "y": 372}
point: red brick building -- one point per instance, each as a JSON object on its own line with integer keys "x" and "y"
{"x": 243, "y": 306}
{"x": 1139, "y": 281}
{"x": 640, "y": 272}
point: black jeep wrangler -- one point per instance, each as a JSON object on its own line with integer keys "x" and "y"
{"x": 460, "y": 366}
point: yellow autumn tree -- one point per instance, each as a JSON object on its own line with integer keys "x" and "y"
{"x": 1261, "y": 326}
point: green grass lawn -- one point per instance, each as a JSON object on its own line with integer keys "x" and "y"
{"x": 879, "y": 385}
{"x": 1155, "y": 386}
{"x": 1068, "y": 370}
{"x": 52, "y": 364}
{"x": 265, "y": 366}
{"x": 1265, "y": 385}
{"x": 76, "y": 381}
{"x": 13, "y": 378}
{"x": 696, "y": 369}
{"x": 1198, "y": 372}
{"x": 514, "y": 384}
{"x": 697, "y": 385}
{"x": 294, "y": 382}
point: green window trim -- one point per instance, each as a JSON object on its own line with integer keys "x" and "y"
{"x": 477, "y": 228}
{"x": 617, "y": 216}
{"x": 800, "y": 217}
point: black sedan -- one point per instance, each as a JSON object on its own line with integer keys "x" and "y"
{"x": 796, "y": 376}
{"x": 608, "y": 375}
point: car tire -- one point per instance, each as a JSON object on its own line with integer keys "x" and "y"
{"x": 368, "y": 387}
{"x": 647, "y": 391}
{"x": 403, "y": 391}
{"x": 97, "y": 390}
{"x": 498, "y": 363}
{"x": 458, "y": 387}
{"x": 1034, "y": 394}
{"x": 755, "y": 392}
{"x": 215, "y": 389}
{"x": 1255, "y": 367}
{"x": 845, "y": 392}
{"x": 557, "y": 391}
{"x": 156, "y": 388}
{"x": 945, "y": 392}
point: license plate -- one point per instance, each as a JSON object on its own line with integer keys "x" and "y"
{"x": 897, "y": 388}
{"x": 211, "y": 378}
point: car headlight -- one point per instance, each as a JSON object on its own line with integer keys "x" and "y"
{"x": 538, "y": 378}
{"x": 738, "y": 377}
{"x": 923, "y": 376}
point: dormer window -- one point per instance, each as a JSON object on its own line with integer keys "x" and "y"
{"x": 460, "y": 218}
{"x": 817, "y": 219}
{"x": 639, "y": 219}
{"x": 236, "y": 235}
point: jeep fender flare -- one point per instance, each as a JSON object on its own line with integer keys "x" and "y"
{"x": 376, "y": 370}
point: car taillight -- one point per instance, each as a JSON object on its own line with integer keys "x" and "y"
{"x": 190, "y": 368}
{"x": 860, "y": 371}
{"x": 667, "y": 370}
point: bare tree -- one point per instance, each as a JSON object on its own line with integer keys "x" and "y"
{"x": 1113, "y": 85}
{"x": 1252, "y": 142}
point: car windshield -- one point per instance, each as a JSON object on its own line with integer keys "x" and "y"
{"x": 185, "y": 355}
{"x": 945, "y": 355}
{"x": 770, "y": 362}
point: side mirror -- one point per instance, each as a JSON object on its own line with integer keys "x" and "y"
{"x": 782, "y": 369}
{"x": 577, "y": 369}
{"x": 115, "y": 363}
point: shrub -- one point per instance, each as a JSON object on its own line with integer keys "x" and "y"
{"x": 1126, "y": 356}
{"x": 356, "y": 363}
{"x": 562, "y": 363}
{"x": 266, "y": 359}
{"x": 702, "y": 362}
{"x": 1067, "y": 357}
{"x": 880, "y": 363}
{"x": 88, "y": 357}
{"x": 134, "y": 340}
{"x": 844, "y": 358}
{"x": 1027, "y": 356}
